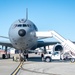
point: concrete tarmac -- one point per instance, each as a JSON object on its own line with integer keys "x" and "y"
{"x": 34, "y": 66}
{"x": 7, "y": 66}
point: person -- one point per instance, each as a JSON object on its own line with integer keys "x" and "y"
{"x": 42, "y": 56}
{"x": 21, "y": 57}
{"x": 25, "y": 56}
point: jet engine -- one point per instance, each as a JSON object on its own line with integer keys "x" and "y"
{"x": 58, "y": 47}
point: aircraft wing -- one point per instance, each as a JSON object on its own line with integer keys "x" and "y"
{"x": 45, "y": 43}
{"x": 5, "y": 41}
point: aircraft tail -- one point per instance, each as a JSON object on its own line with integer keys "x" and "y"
{"x": 26, "y": 13}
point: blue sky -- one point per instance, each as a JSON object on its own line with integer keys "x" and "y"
{"x": 58, "y": 15}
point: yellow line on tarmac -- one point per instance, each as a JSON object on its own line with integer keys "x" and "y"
{"x": 17, "y": 69}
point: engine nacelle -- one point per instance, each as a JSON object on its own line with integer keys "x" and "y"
{"x": 58, "y": 47}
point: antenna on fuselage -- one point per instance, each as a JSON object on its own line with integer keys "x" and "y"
{"x": 26, "y": 13}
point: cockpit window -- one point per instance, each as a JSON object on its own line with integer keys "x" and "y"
{"x": 23, "y": 25}
{"x": 20, "y": 25}
{"x": 35, "y": 27}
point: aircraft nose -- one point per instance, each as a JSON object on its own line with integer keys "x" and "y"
{"x": 22, "y": 32}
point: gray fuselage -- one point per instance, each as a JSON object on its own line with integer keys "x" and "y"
{"x": 22, "y": 34}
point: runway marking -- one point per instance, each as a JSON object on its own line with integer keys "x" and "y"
{"x": 17, "y": 69}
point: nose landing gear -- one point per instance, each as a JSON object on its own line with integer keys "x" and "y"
{"x": 24, "y": 56}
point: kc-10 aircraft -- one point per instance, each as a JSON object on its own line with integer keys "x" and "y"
{"x": 24, "y": 35}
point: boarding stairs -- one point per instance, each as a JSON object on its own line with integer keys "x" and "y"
{"x": 67, "y": 44}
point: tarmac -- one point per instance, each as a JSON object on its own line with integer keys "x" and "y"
{"x": 7, "y": 66}
{"x": 35, "y": 66}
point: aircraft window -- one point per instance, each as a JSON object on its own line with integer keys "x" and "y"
{"x": 19, "y": 25}
{"x": 24, "y": 25}
{"x": 35, "y": 27}
{"x": 28, "y": 25}
{"x": 15, "y": 25}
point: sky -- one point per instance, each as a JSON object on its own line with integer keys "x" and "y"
{"x": 58, "y": 15}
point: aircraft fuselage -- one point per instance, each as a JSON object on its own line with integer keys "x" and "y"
{"x": 22, "y": 34}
